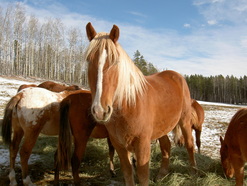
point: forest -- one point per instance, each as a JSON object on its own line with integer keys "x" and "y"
{"x": 48, "y": 49}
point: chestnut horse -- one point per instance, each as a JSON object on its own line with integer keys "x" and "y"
{"x": 135, "y": 109}
{"x": 52, "y": 86}
{"x": 81, "y": 125}
{"x": 30, "y": 112}
{"x": 233, "y": 149}
{"x": 197, "y": 119}
{"x": 75, "y": 116}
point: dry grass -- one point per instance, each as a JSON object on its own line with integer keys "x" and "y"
{"x": 94, "y": 169}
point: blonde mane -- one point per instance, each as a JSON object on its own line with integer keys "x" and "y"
{"x": 131, "y": 81}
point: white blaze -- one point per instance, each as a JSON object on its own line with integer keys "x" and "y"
{"x": 96, "y": 103}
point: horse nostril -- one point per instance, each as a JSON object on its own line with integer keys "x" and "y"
{"x": 93, "y": 111}
{"x": 109, "y": 110}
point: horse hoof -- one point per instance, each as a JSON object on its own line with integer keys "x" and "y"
{"x": 113, "y": 173}
{"x": 161, "y": 174}
{"x": 193, "y": 170}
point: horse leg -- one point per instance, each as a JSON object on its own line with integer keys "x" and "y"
{"x": 56, "y": 174}
{"x": 238, "y": 166}
{"x": 80, "y": 142}
{"x": 126, "y": 166}
{"x": 111, "y": 155}
{"x": 143, "y": 151}
{"x": 30, "y": 139}
{"x": 14, "y": 148}
{"x": 189, "y": 141}
{"x": 165, "y": 147}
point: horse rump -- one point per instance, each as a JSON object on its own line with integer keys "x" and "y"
{"x": 7, "y": 118}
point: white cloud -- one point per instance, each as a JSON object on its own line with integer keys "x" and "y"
{"x": 212, "y": 22}
{"x": 186, "y": 25}
{"x": 138, "y": 14}
{"x": 206, "y": 50}
{"x": 230, "y": 11}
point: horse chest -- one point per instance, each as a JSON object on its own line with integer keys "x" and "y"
{"x": 122, "y": 135}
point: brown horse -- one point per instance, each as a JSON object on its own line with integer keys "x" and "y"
{"x": 81, "y": 126}
{"x": 135, "y": 109}
{"x": 76, "y": 117}
{"x": 25, "y": 86}
{"x": 52, "y": 86}
{"x": 197, "y": 119}
{"x": 233, "y": 149}
{"x": 29, "y": 113}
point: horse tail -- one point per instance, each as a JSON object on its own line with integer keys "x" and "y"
{"x": 178, "y": 136}
{"x": 7, "y": 118}
{"x": 65, "y": 137}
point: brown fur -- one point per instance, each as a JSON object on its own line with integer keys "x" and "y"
{"x": 82, "y": 126}
{"x": 21, "y": 87}
{"x": 159, "y": 102}
{"x": 197, "y": 119}
{"x": 50, "y": 85}
{"x": 56, "y": 87}
{"x": 233, "y": 149}
{"x": 7, "y": 119}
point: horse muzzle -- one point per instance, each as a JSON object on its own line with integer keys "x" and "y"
{"x": 100, "y": 114}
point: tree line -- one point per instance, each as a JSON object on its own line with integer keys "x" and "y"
{"x": 50, "y": 50}
{"x": 221, "y": 89}
{"x": 47, "y": 49}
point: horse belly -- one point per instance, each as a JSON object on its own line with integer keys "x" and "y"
{"x": 165, "y": 119}
{"x": 99, "y": 131}
{"x": 50, "y": 128}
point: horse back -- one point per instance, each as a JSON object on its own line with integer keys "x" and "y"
{"x": 171, "y": 88}
{"x": 235, "y": 136}
{"x": 38, "y": 109}
{"x": 25, "y": 86}
{"x": 52, "y": 86}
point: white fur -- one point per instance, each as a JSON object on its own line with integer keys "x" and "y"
{"x": 12, "y": 178}
{"x": 35, "y": 100}
{"x": 97, "y": 103}
{"x": 27, "y": 182}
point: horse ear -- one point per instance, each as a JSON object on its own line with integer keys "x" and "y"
{"x": 91, "y": 33}
{"x": 221, "y": 140}
{"x": 114, "y": 34}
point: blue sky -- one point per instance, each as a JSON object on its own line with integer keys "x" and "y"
{"x": 207, "y": 37}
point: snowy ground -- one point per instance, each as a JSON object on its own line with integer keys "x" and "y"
{"x": 217, "y": 117}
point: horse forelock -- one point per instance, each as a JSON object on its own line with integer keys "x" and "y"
{"x": 100, "y": 43}
{"x": 131, "y": 81}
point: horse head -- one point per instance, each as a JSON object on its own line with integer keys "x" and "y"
{"x": 115, "y": 81}
{"x": 225, "y": 159}
{"x": 102, "y": 57}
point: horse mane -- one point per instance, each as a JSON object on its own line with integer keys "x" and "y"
{"x": 131, "y": 81}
